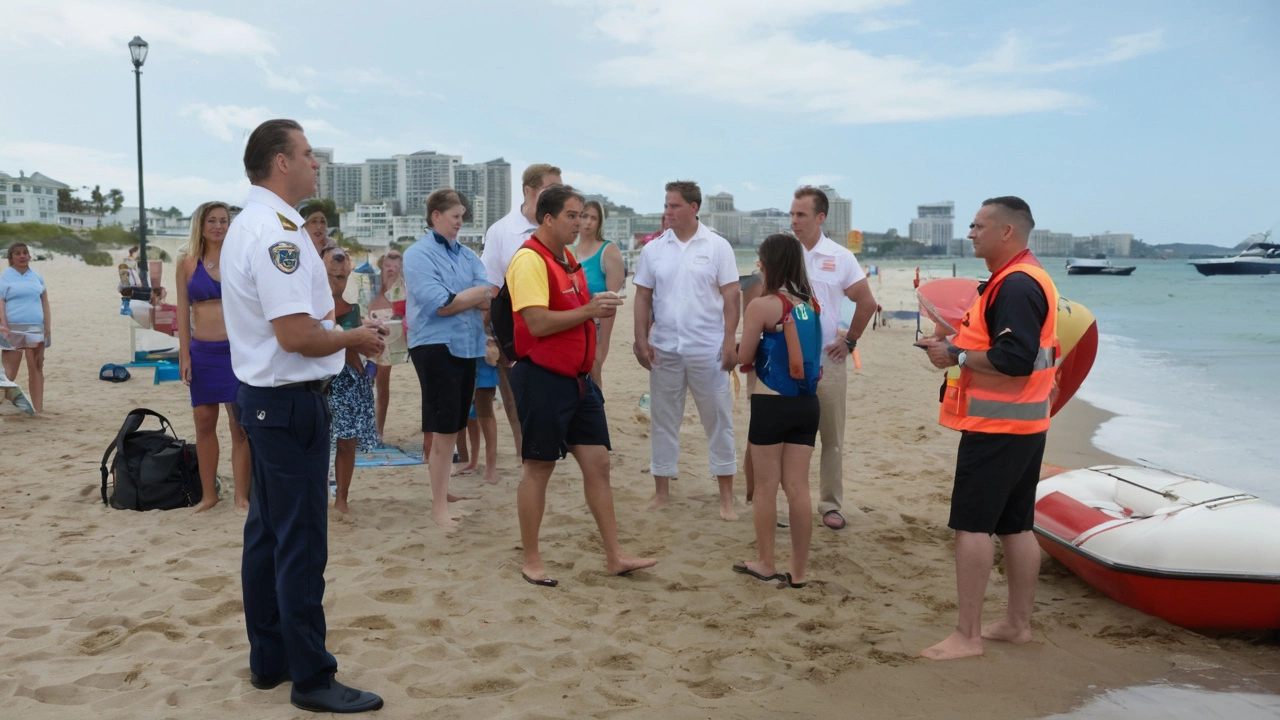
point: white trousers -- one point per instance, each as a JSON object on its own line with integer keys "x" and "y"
{"x": 672, "y": 375}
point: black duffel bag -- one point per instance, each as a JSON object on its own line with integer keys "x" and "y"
{"x": 152, "y": 469}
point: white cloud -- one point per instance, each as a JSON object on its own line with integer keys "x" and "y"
{"x": 226, "y": 122}
{"x": 819, "y": 179}
{"x": 315, "y": 102}
{"x": 364, "y": 79}
{"x": 592, "y": 183}
{"x": 748, "y": 53}
{"x": 748, "y": 185}
{"x": 77, "y": 166}
{"x": 869, "y": 26}
{"x": 1014, "y": 57}
{"x": 109, "y": 25}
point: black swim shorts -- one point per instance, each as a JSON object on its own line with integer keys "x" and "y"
{"x": 556, "y": 412}
{"x": 995, "y": 485}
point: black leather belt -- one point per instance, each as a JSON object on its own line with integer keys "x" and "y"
{"x": 319, "y": 387}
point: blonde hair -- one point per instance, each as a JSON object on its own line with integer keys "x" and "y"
{"x": 195, "y": 243}
{"x": 533, "y": 174}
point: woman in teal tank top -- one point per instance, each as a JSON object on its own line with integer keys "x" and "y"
{"x": 602, "y": 264}
{"x": 782, "y": 337}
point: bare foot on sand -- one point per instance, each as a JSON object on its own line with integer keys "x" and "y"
{"x": 465, "y": 469}
{"x": 242, "y": 506}
{"x": 624, "y": 564}
{"x": 726, "y": 510}
{"x": 341, "y": 506}
{"x": 204, "y": 505}
{"x": 459, "y": 498}
{"x": 491, "y": 476}
{"x": 444, "y": 520}
{"x": 657, "y": 502}
{"x": 954, "y": 647}
{"x": 1006, "y": 631}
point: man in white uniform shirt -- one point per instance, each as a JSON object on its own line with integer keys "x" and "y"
{"x": 834, "y": 274}
{"x": 284, "y": 350}
{"x": 687, "y": 287}
{"x": 501, "y": 242}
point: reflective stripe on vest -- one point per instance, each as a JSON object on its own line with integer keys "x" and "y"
{"x": 983, "y": 402}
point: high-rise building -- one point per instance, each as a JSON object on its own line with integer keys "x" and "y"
{"x": 342, "y": 183}
{"x": 933, "y": 224}
{"x": 498, "y": 183}
{"x": 379, "y": 183}
{"x": 839, "y": 215}
{"x": 718, "y": 203}
{"x": 473, "y": 182}
{"x": 323, "y": 157}
{"x": 420, "y": 174}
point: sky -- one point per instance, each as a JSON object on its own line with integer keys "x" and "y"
{"x": 1154, "y": 117}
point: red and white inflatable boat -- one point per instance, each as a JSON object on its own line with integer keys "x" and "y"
{"x": 1198, "y": 554}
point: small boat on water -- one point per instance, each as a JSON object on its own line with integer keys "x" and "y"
{"x": 1260, "y": 258}
{"x": 1196, "y": 553}
{"x": 1097, "y": 265}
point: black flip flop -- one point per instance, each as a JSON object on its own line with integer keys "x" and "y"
{"x": 544, "y": 582}
{"x": 786, "y": 577}
{"x": 742, "y": 568}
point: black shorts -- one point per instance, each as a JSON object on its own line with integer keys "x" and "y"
{"x": 556, "y": 412}
{"x": 783, "y": 419}
{"x": 448, "y": 384}
{"x": 995, "y": 487}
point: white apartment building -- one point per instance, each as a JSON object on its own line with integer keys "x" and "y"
{"x": 1047, "y": 243}
{"x": 31, "y": 198}
{"x": 839, "y": 215}
{"x": 934, "y": 224}
{"x": 379, "y": 181}
{"x": 420, "y": 174}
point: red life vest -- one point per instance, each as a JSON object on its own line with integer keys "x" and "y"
{"x": 987, "y": 403}
{"x": 569, "y": 352}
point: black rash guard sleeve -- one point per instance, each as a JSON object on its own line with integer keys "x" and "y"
{"x": 1014, "y": 319}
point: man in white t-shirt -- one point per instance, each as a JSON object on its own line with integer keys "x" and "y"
{"x": 834, "y": 274}
{"x": 688, "y": 301}
{"x": 501, "y": 242}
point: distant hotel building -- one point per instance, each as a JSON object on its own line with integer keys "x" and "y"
{"x": 31, "y": 199}
{"x": 1048, "y": 243}
{"x": 839, "y": 215}
{"x": 376, "y": 193}
{"x": 933, "y": 224}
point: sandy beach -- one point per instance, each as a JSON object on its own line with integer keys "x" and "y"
{"x": 116, "y": 614}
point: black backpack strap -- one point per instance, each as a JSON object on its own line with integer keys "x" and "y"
{"x": 132, "y": 422}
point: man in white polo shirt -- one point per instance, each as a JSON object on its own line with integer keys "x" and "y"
{"x": 687, "y": 287}
{"x": 284, "y": 350}
{"x": 501, "y": 242}
{"x": 834, "y": 274}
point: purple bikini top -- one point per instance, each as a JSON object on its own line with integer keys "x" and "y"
{"x": 202, "y": 285}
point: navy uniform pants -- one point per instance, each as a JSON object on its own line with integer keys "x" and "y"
{"x": 286, "y": 534}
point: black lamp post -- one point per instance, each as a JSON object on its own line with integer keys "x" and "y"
{"x": 138, "y": 50}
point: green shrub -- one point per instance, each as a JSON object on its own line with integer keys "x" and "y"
{"x": 98, "y": 258}
{"x": 68, "y": 245}
{"x": 113, "y": 235}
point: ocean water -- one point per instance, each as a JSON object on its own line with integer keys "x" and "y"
{"x": 1189, "y": 364}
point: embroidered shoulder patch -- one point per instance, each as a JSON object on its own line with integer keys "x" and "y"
{"x": 285, "y": 256}
{"x": 286, "y": 223}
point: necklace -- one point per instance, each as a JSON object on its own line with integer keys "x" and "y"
{"x": 210, "y": 265}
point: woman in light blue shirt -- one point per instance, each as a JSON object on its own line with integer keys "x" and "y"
{"x": 444, "y": 320}
{"x": 24, "y": 321}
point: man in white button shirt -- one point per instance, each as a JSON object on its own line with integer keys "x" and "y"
{"x": 834, "y": 274}
{"x": 284, "y": 351}
{"x": 687, "y": 287}
{"x": 501, "y": 242}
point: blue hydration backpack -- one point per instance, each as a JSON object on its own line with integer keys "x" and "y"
{"x": 773, "y": 358}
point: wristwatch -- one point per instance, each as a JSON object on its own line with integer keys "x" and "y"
{"x": 964, "y": 355}
{"x": 850, "y": 343}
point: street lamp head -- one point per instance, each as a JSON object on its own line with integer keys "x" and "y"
{"x": 138, "y": 50}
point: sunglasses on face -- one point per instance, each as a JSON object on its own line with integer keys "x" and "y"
{"x": 391, "y": 256}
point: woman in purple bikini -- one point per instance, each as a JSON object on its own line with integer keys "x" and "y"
{"x": 204, "y": 355}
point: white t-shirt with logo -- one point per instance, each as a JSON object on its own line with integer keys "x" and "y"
{"x": 686, "y": 277}
{"x": 271, "y": 269}
{"x": 832, "y": 270}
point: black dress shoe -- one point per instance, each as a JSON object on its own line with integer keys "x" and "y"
{"x": 335, "y": 698}
{"x": 267, "y": 682}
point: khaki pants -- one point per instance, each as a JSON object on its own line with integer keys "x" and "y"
{"x": 831, "y": 397}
